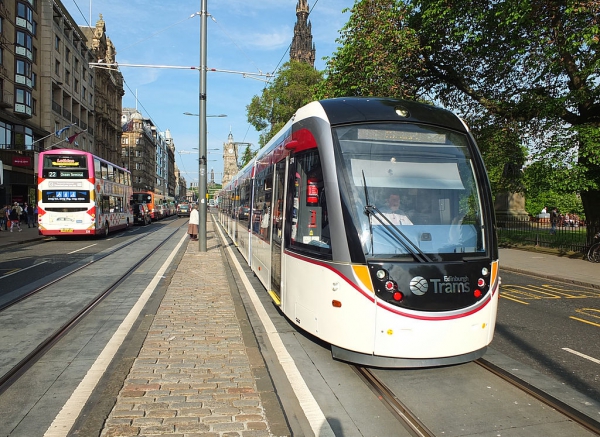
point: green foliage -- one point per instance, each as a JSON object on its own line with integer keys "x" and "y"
{"x": 378, "y": 54}
{"x": 291, "y": 89}
{"x": 524, "y": 74}
{"x": 247, "y": 156}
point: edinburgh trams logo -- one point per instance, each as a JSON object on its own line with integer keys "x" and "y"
{"x": 449, "y": 284}
{"x": 419, "y": 285}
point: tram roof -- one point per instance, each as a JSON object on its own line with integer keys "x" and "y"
{"x": 372, "y": 109}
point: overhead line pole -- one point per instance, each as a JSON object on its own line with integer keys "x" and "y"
{"x": 202, "y": 132}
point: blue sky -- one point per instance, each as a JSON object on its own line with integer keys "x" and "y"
{"x": 242, "y": 35}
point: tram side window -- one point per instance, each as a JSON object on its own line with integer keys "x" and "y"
{"x": 309, "y": 219}
{"x": 261, "y": 211}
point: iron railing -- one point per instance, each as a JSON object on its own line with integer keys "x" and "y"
{"x": 566, "y": 236}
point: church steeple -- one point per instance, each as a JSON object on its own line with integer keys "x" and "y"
{"x": 302, "y": 49}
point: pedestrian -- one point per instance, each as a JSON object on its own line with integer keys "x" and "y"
{"x": 193, "y": 224}
{"x": 30, "y": 216}
{"x": 15, "y": 217}
{"x": 35, "y": 216}
{"x": 24, "y": 213}
{"x": 3, "y": 218}
{"x": 544, "y": 210}
{"x": 553, "y": 220}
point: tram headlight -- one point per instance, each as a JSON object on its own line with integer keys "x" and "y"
{"x": 485, "y": 271}
{"x": 381, "y": 275}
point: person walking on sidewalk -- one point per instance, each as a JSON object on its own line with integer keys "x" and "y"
{"x": 193, "y": 224}
{"x": 15, "y": 217}
{"x": 3, "y": 218}
{"x": 553, "y": 220}
{"x": 30, "y": 216}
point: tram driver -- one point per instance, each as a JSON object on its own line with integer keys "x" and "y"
{"x": 393, "y": 212}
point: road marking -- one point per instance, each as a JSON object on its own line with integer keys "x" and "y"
{"x": 513, "y": 299}
{"x": 309, "y": 405}
{"x": 15, "y": 271}
{"x": 585, "y": 321}
{"x": 83, "y": 248}
{"x": 70, "y": 411}
{"x": 579, "y": 354}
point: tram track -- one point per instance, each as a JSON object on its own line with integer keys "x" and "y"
{"x": 96, "y": 258}
{"x": 404, "y": 415}
{"x": 44, "y": 346}
{"x": 416, "y": 427}
{"x": 547, "y": 399}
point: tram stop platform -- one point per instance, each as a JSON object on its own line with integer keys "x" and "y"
{"x": 200, "y": 370}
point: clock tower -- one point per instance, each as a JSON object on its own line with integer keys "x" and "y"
{"x": 230, "y": 160}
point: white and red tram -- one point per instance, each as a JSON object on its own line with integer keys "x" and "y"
{"x": 316, "y": 216}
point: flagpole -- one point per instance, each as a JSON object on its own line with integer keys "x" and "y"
{"x": 65, "y": 139}
{"x": 54, "y": 133}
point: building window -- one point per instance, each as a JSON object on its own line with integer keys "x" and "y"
{"x": 75, "y": 85}
{"x": 24, "y": 40}
{"x": 25, "y": 12}
{"x": 57, "y": 43}
{"x": 67, "y": 56}
{"x": 67, "y": 76}
{"x": 57, "y": 68}
{"x": 24, "y": 68}
{"x": 23, "y": 97}
{"x": 6, "y": 135}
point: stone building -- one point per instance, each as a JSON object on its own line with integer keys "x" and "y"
{"x": 108, "y": 92}
{"x": 302, "y": 49}
{"x": 230, "y": 160}
{"x": 138, "y": 149}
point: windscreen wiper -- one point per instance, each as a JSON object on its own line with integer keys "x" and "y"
{"x": 397, "y": 234}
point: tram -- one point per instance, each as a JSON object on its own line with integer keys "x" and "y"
{"x": 81, "y": 194}
{"x": 370, "y": 223}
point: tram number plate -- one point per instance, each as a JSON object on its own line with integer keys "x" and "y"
{"x": 66, "y": 230}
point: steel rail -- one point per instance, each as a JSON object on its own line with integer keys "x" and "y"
{"x": 36, "y": 354}
{"x": 397, "y": 408}
{"x": 576, "y": 416}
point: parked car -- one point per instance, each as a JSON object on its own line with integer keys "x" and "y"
{"x": 183, "y": 210}
{"x": 141, "y": 214}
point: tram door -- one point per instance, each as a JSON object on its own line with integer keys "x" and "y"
{"x": 277, "y": 232}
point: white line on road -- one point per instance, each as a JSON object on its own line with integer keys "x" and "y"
{"x": 22, "y": 270}
{"x": 83, "y": 248}
{"x": 579, "y": 354}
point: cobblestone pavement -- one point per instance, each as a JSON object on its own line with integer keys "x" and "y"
{"x": 192, "y": 376}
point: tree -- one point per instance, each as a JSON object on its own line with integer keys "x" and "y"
{"x": 291, "y": 89}
{"x": 533, "y": 66}
{"x": 378, "y": 56}
{"x": 247, "y": 156}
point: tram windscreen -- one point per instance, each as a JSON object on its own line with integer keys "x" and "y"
{"x": 420, "y": 181}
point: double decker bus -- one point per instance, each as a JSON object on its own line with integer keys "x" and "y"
{"x": 81, "y": 194}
